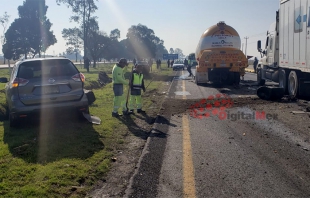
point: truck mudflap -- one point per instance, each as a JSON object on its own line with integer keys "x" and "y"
{"x": 221, "y": 65}
{"x": 201, "y": 77}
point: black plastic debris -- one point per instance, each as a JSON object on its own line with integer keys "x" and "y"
{"x": 270, "y": 93}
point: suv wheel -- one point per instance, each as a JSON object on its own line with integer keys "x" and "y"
{"x": 14, "y": 122}
{"x": 80, "y": 114}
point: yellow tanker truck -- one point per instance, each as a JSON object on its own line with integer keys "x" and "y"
{"x": 219, "y": 56}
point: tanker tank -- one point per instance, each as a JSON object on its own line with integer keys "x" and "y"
{"x": 219, "y": 56}
{"x": 218, "y": 36}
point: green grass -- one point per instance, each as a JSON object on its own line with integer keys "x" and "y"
{"x": 64, "y": 157}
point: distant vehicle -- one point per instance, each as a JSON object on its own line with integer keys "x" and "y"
{"x": 219, "y": 56}
{"x": 145, "y": 67}
{"x": 194, "y": 63}
{"x": 178, "y": 66}
{"x": 178, "y": 61}
{"x": 43, "y": 85}
{"x": 192, "y": 60}
{"x": 285, "y": 58}
{"x": 142, "y": 63}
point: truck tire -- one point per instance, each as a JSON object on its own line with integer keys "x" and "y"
{"x": 293, "y": 84}
{"x": 236, "y": 78}
{"x": 260, "y": 81}
{"x": 283, "y": 77}
{"x": 231, "y": 78}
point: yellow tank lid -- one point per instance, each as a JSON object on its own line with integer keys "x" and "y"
{"x": 220, "y": 28}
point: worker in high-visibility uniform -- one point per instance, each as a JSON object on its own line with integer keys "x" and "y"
{"x": 118, "y": 80}
{"x": 137, "y": 83}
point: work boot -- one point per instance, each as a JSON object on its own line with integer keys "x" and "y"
{"x": 116, "y": 115}
{"x": 127, "y": 112}
{"x": 140, "y": 111}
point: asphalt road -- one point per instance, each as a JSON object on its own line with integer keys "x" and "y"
{"x": 213, "y": 157}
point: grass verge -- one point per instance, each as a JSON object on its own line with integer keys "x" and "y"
{"x": 62, "y": 156}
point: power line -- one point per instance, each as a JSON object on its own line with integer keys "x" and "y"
{"x": 259, "y": 34}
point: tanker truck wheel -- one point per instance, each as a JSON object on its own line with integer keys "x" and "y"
{"x": 231, "y": 78}
{"x": 236, "y": 78}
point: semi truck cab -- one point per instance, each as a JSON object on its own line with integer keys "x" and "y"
{"x": 268, "y": 66}
{"x": 284, "y": 59}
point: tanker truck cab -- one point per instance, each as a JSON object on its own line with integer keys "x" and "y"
{"x": 268, "y": 64}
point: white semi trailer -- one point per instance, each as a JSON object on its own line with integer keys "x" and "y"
{"x": 286, "y": 57}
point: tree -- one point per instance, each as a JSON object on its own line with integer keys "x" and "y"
{"x": 4, "y": 22}
{"x": 98, "y": 41}
{"x": 74, "y": 40}
{"x": 160, "y": 50}
{"x": 142, "y": 41}
{"x": 179, "y": 52}
{"x": 171, "y": 51}
{"x": 115, "y": 35}
{"x": 115, "y": 50}
{"x": 30, "y": 33}
{"x": 83, "y": 10}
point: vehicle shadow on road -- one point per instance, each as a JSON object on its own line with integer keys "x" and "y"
{"x": 52, "y": 139}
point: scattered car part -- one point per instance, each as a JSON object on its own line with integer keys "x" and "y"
{"x": 92, "y": 119}
{"x": 270, "y": 93}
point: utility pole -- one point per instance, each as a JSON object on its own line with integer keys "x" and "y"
{"x": 242, "y": 47}
{"x": 246, "y": 45}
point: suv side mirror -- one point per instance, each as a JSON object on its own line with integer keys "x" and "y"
{"x": 3, "y": 80}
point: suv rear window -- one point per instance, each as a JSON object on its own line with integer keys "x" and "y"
{"x": 46, "y": 68}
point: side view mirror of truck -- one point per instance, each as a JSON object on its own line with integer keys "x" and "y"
{"x": 259, "y": 45}
{"x": 3, "y": 80}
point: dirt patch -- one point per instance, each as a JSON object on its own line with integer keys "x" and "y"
{"x": 126, "y": 156}
{"x": 103, "y": 78}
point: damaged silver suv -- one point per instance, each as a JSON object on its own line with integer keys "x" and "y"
{"x": 41, "y": 86}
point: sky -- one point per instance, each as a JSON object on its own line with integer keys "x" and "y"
{"x": 179, "y": 23}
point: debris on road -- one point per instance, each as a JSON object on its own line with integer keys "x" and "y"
{"x": 90, "y": 96}
{"x": 270, "y": 93}
{"x": 300, "y": 112}
{"x": 92, "y": 119}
